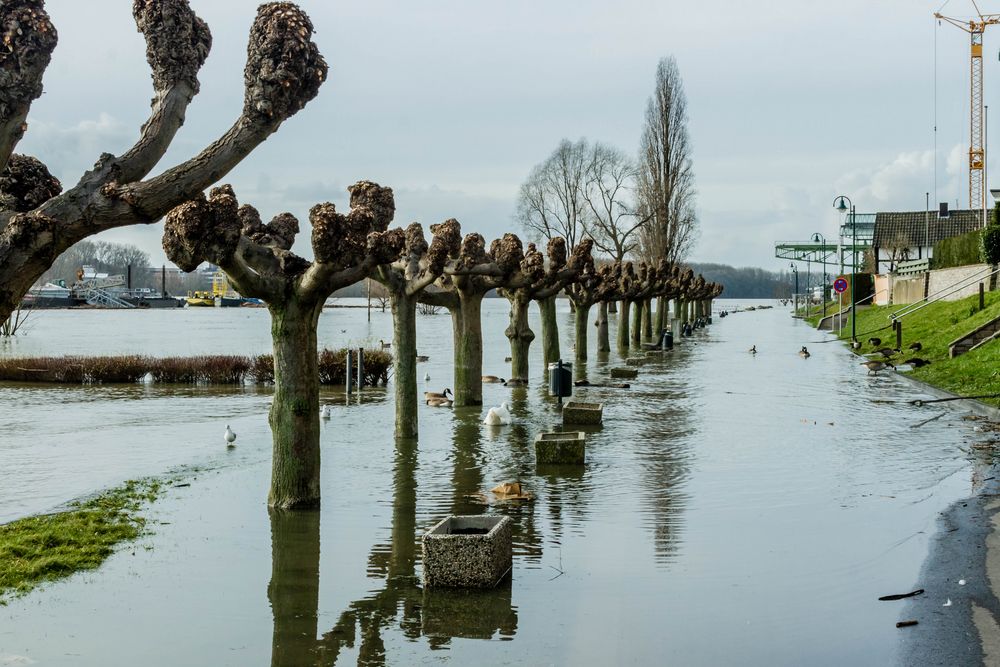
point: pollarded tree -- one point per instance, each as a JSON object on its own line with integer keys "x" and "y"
{"x": 258, "y": 261}
{"x": 284, "y": 70}
{"x": 607, "y": 292}
{"x": 413, "y": 268}
{"x": 461, "y": 290}
{"x": 538, "y": 281}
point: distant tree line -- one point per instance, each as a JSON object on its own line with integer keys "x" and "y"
{"x": 105, "y": 257}
{"x": 749, "y": 282}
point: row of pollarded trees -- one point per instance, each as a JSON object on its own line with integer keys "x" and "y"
{"x": 449, "y": 271}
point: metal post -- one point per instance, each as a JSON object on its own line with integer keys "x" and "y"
{"x": 899, "y": 334}
{"x": 982, "y": 296}
{"x": 559, "y": 386}
{"x": 361, "y": 368}
{"x": 854, "y": 268}
{"x": 163, "y": 280}
{"x": 347, "y": 373}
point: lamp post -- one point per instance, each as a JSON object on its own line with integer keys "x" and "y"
{"x": 819, "y": 238}
{"x": 796, "y": 272}
{"x": 841, "y": 204}
{"x": 809, "y": 296}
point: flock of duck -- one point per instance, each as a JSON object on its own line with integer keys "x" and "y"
{"x": 878, "y": 364}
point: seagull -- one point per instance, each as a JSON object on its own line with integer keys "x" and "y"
{"x": 324, "y": 412}
{"x": 230, "y": 437}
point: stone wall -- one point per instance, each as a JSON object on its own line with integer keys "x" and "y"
{"x": 942, "y": 278}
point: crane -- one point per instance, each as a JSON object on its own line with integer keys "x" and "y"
{"x": 977, "y": 151}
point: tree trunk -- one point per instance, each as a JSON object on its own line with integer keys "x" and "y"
{"x": 294, "y": 416}
{"x": 613, "y": 307}
{"x": 404, "y": 338}
{"x": 647, "y": 319}
{"x": 520, "y": 335}
{"x": 469, "y": 350}
{"x": 603, "y": 339}
{"x": 550, "y": 332}
{"x": 581, "y": 316}
{"x": 623, "y": 314}
{"x": 636, "y": 332}
{"x": 659, "y": 318}
{"x": 681, "y": 308}
{"x": 294, "y": 588}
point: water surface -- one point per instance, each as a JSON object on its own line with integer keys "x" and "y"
{"x": 734, "y": 509}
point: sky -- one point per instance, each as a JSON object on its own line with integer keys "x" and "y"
{"x": 452, "y": 102}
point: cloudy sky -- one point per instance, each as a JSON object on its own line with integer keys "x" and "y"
{"x": 451, "y": 102}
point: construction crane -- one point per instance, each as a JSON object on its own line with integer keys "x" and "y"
{"x": 977, "y": 149}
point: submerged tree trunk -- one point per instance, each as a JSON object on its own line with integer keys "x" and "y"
{"x": 603, "y": 339}
{"x": 581, "y": 317}
{"x": 636, "y": 332}
{"x": 469, "y": 350}
{"x": 404, "y": 332}
{"x": 550, "y": 332}
{"x": 659, "y": 318}
{"x": 294, "y": 588}
{"x": 681, "y": 309}
{"x": 613, "y": 307}
{"x": 294, "y": 416}
{"x": 647, "y": 319}
{"x": 520, "y": 335}
{"x": 623, "y": 331}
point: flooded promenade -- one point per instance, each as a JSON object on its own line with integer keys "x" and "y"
{"x": 734, "y": 509}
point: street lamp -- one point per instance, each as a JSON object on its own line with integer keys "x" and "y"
{"x": 841, "y": 204}
{"x": 819, "y": 238}
{"x": 796, "y": 272}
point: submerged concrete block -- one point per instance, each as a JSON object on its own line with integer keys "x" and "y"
{"x": 635, "y": 361}
{"x": 575, "y": 412}
{"x": 627, "y": 373}
{"x": 560, "y": 447}
{"x": 467, "y": 552}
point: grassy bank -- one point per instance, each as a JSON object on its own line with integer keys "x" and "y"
{"x": 44, "y": 548}
{"x": 934, "y": 327}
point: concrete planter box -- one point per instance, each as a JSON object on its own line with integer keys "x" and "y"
{"x": 467, "y": 552}
{"x": 626, "y": 373}
{"x": 575, "y": 412}
{"x": 561, "y": 447}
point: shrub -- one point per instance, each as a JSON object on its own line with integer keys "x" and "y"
{"x": 262, "y": 368}
{"x": 958, "y": 251}
{"x": 991, "y": 244}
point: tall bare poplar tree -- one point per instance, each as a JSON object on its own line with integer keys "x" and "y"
{"x": 666, "y": 178}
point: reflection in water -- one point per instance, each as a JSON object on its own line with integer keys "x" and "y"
{"x": 664, "y": 451}
{"x": 437, "y": 614}
{"x": 294, "y": 588}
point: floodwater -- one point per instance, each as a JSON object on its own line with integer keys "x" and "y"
{"x": 734, "y": 509}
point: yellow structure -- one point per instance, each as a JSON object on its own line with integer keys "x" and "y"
{"x": 977, "y": 149}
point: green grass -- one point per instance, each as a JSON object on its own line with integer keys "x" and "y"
{"x": 935, "y": 326}
{"x": 38, "y": 549}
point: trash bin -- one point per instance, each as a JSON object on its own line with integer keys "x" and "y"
{"x": 668, "y": 339}
{"x": 561, "y": 379}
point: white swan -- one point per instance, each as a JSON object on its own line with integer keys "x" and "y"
{"x": 230, "y": 436}
{"x": 324, "y": 412}
{"x": 498, "y": 416}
